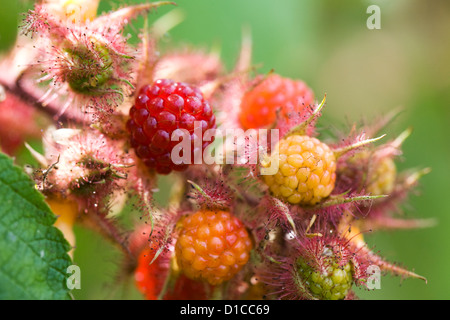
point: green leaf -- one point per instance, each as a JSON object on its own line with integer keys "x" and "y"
{"x": 33, "y": 253}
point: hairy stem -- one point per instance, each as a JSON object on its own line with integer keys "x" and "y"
{"x": 20, "y": 91}
{"x": 110, "y": 231}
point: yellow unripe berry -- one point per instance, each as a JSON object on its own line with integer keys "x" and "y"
{"x": 382, "y": 176}
{"x": 306, "y": 170}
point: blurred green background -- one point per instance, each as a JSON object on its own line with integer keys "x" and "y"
{"x": 364, "y": 73}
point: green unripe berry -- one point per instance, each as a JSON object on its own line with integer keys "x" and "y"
{"x": 89, "y": 70}
{"x": 333, "y": 282}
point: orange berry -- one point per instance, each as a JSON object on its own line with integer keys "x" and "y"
{"x": 259, "y": 105}
{"x": 213, "y": 246}
{"x": 306, "y": 170}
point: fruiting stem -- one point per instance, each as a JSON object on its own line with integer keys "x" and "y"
{"x": 18, "y": 90}
{"x": 111, "y": 232}
{"x": 217, "y": 293}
